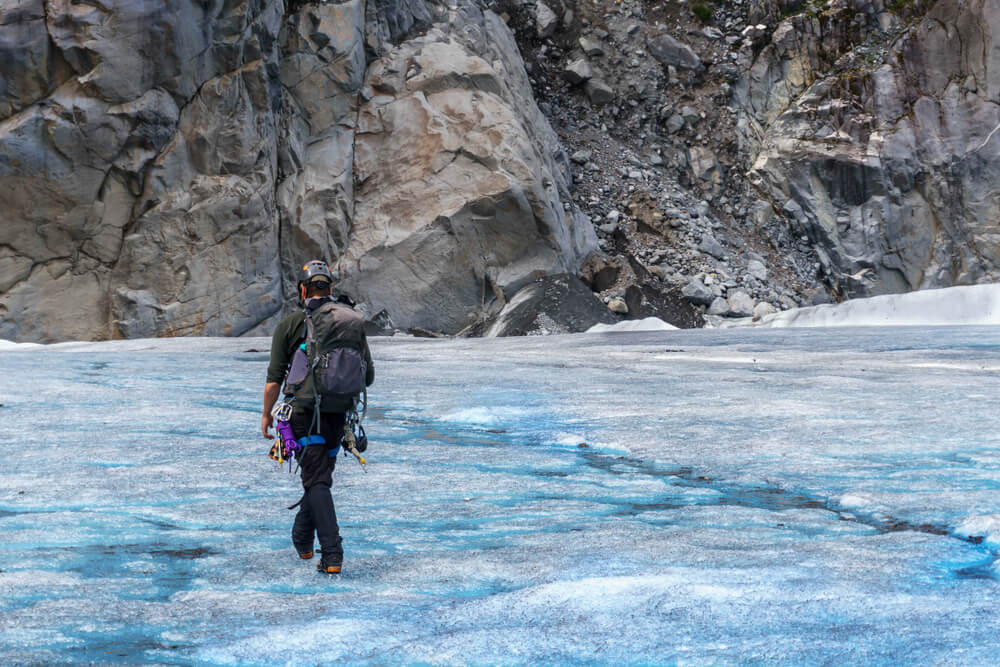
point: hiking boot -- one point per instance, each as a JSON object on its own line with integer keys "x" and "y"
{"x": 305, "y": 551}
{"x": 329, "y": 564}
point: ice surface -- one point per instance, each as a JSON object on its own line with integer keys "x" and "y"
{"x": 719, "y": 496}
{"x": 950, "y": 306}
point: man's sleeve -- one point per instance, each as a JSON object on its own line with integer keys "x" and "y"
{"x": 279, "y": 354}
{"x": 370, "y": 373}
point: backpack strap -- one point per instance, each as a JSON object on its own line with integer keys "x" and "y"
{"x": 313, "y": 361}
{"x": 310, "y": 337}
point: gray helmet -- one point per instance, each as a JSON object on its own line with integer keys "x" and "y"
{"x": 316, "y": 272}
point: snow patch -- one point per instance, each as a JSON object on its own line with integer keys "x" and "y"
{"x": 951, "y": 306}
{"x": 11, "y": 345}
{"x": 647, "y": 324}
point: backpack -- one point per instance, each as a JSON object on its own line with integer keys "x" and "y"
{"x": 328, "y": 369}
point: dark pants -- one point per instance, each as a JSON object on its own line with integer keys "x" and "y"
{"x": 317, "y": 516}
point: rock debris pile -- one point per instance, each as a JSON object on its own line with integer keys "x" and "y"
{"x": 641, "y": 96}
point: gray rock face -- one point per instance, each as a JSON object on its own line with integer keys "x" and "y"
{"x": 168, "y": 166}
{"x": 416, "y": 139}
{"x": 142, "y": 187}
{"x": 889, "y": 169}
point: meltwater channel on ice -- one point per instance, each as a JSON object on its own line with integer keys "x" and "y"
{"x": 745, "y": 495}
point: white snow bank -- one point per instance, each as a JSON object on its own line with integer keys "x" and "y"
{"x": 971, "y": 305}
{"x": 11, "y": 345}
{"x": 647, "y": 324}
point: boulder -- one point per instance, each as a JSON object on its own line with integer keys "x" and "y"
{"x": 554, "y": 304}
{"x": 756, "y": 268}
{"x": 618, "y": 305}
{"x": 546, "y": 20}
{"x": 719, "y": 307}
{"x": 763, "y": 309}
{"x": 710, "y": 246}
{"x": 592, "y": 48}
{"x": 670, "y": 51}
{"x": 599, "y": 92}
{"x": 578, "y": 71}
{"x": 698, "y": 293}
{"x": 704, "y": 165}
{"x": 740, "y": 304}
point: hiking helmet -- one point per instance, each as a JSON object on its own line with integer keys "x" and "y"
{"x": 316, "y": 272}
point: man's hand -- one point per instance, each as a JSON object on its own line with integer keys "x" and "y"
{"x": 271, "y": 391}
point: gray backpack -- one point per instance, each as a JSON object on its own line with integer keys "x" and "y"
{"x": 328, "y": 369}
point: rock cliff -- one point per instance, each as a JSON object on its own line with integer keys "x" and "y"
{"x": 167, "y": 166}
{"x": 875, "y": 134}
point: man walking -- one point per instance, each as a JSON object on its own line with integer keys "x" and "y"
{"x": 321, "y": 355}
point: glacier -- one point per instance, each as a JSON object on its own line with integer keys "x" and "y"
{"x": 721, "y": 496}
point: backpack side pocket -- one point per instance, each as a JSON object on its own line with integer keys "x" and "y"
{"x": 299, "y": 371}
{"x": 341, "y": 371}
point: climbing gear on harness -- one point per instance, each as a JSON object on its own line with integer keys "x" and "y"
{"x": 285, "y": 446}
{"x": 355, "y": 441}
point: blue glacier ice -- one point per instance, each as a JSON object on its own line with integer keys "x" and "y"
{"x": 791, "y": 496}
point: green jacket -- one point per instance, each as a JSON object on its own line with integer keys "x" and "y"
{"x": 289, "y": 333}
